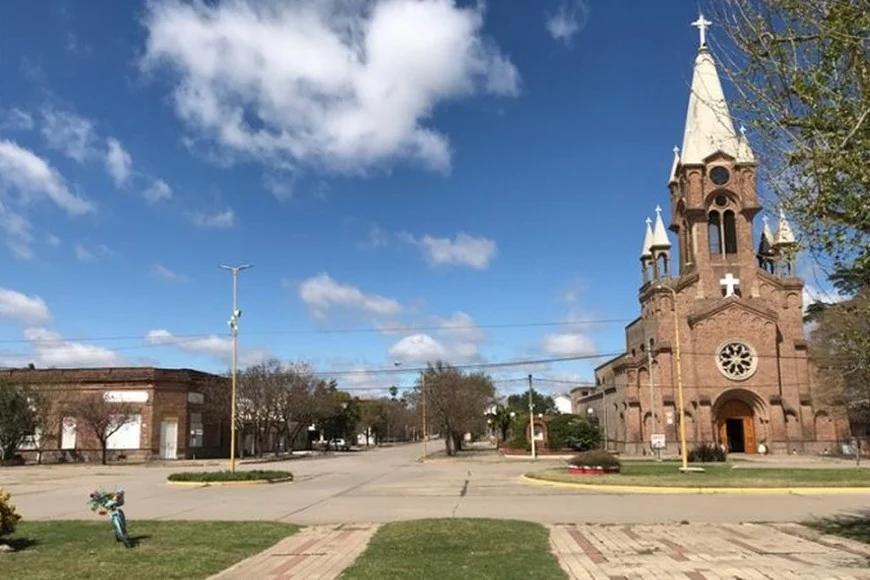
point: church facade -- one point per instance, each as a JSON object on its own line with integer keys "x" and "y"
{"x": 720, "y": 314}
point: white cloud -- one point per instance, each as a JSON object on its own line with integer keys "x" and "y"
{"x": 157, "y": 191}
{"x": 568, "y": 344}
{"x": 218, "y": 220}
{"x": 321, "y": 294}
{"x": 164, "y": 273}
{"x": 418, "y": 348}
{"x": 461, "y": 250}
{"x": 119, "y": 164}
{"x": 51, "y": 350}
{"x": 86, "y": 253}
{"x": 16, "y": 120}
{"x": 567, "y": 20}
{"x": 217, "y": 347}
{"x": 69, "y": 133}
{"x": 23, "y": 308}
{"x": 33, "y": 177}
{"x": 346, "y": 85}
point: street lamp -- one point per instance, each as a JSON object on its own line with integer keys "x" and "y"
{"x": 234, "y": 332}
{"x": 678, "y": 363}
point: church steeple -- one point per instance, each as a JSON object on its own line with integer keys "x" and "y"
{"x": 646, "y": 253}
{"x": 709, "y": 127}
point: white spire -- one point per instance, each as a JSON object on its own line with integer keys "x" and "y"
{"x": 675, "y": 165}
{"x": 765, "y": 231}
{"x": 744, "y": 151}
{"x": 647, "y": 241}
{"x": 708, "y": 122}
{"x": 765, "y": 246}
{"x": 660, "y": 236}
{"x": 784, "y": 235}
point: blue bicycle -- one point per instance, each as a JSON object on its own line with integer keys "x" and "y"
{"x": 110, "y": 503}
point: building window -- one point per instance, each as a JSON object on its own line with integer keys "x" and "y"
{"x": 196, "y": 430}
{"x": 128, "y": 435}
{"x": 714, "y": 233}
{"x": 730, "y": 232}
{"x": 736, "y": 360}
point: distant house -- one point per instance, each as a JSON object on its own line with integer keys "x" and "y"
{"x": 177, "y": 413}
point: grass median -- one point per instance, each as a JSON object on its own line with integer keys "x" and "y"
{"x": 163, "y": 549}
{"x": 230, "y": 476}
{"x": 448, "y": 549}
{"x": 667, "y": 474}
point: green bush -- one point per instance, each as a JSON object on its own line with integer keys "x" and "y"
{"x": 212, "y": 476}
{"x": 8, "y": 516}
{"x": 707, "y": 453}
{"x": 572, "y": 432}
{"x": 595, "y": 458}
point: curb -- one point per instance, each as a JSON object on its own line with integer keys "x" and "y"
{"x": 227, "y": 483}
{"x": 701, "y": 490}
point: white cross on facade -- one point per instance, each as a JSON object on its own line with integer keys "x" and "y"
{"x": 702, "y": 24}
{"x": 730, "y": 283}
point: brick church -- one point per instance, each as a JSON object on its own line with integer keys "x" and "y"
{"x": 732, "y": 305}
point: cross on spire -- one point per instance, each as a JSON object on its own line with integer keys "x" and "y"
{"x": 702, "y": 24}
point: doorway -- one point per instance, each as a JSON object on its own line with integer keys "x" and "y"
{"x": 735, "y": 436}
{"x": 736, "y": 425}
{"x": 169, "y": 439}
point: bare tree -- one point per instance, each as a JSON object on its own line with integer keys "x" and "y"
{"x": 101, "y": 417}
{"x": 458, "y": 402}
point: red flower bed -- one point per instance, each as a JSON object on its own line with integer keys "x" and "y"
{"x": 591, "y": 470}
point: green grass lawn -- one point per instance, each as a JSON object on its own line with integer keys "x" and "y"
{"x": 458, "y": 549}
{"x": 666, "y": 474}
{"x": 80, "y": 549}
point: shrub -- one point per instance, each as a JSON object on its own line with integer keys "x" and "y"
{"x": 707, "y": 453}
{"x": 8, "y": 516}
{"x": 211, "y": 476}
{"x": 595, "y": 458}
{"x": 572, "y": 432}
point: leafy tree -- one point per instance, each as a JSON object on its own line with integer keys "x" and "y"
{"x": 803, "y": 76}
{"x": 457, "y": 401}
{"x": 572, "y": 432}
{"x": 501, "y": 420}
{"x": 342, "y": 421}
{"x": 545, "y": 404}
{"x": 101, "y": 417}
{"x": 840, "y": 351}
{"x": 18, "y": 418}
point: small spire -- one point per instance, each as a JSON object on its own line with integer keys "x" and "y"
{"x": 675, "y": 165}
{"x": 660, "y": 236}
{"x": 765, "y": 246}
{"x": 784, "y": 235}
{"x": 647, "y": 241}
{"x": 702, "y": 24}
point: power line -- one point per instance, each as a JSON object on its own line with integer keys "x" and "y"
{"x": 352, "y": 330}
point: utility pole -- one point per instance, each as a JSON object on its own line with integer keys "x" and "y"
{"x": 234, "y": 332}
{"x": 532, "y": 420}
{"x": 678, "y": 363}
{"x": 604, "y": 412}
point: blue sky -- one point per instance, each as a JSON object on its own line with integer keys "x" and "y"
{"x": 386, "y": 165}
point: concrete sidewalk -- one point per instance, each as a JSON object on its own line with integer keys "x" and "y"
{"x": 699, "y": 551}
{"x": 318, "y": 552}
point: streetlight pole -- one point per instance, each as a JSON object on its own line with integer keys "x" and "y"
{"x": 234, "y": 332}
{"x": 678, "y": 363}
{"x": 425, "y": 417}
{"x": 653, "y": 423}
{"x": 532, "y": 420}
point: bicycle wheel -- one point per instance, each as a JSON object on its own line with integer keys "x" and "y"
{"x": 119, "y": 524}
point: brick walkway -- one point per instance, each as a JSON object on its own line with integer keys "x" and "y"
{"x": 317, "y": 552}
{"x": 706, "y": 551}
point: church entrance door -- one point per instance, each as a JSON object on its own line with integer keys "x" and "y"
{"x": 736, "y": 426}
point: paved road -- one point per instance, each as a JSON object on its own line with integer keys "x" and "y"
{"x": 388, "y": 484}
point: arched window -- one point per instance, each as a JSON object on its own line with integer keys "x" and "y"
{"x": 714, "y": 233}
{"x": 730, "y": 232}
{"x": 662, "y": 265}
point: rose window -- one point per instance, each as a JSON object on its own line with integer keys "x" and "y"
{"x": 736, "y": 360}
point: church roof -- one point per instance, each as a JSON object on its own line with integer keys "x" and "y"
{"x": 660, "y": 236}
{"x": 709, "y": 127}
{"x": 784, "y": 235}
{"x": 647, "y": 240}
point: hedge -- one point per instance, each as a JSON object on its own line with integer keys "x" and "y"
{"x": 210, "y": 476}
